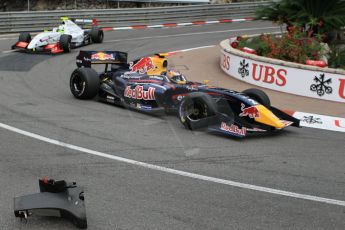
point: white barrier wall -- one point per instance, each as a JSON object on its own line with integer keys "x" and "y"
{"x": 286, "y": 77}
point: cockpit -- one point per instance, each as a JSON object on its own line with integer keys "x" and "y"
{"x": 60, "y": 28}
{"x": 176, "y": 77}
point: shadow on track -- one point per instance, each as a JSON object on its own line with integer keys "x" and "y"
{"x": 21, "y": 61}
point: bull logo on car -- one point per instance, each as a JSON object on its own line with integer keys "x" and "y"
{"x": 139, "y": 93}
{"x": 102, "y": 56}
{"x": 142, "y": 66}
{"x": 251, "y": 111}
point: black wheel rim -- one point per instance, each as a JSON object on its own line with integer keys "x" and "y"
{"x": 78, "y": 85}
{"x": 196, "y": 110}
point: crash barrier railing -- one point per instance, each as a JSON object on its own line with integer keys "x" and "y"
{"x": 288, "y": 77}
{"x": 38, "y": 20}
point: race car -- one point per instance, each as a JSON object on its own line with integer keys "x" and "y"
{"x": 197, "y": 105}
{"x": 60, "y": 39}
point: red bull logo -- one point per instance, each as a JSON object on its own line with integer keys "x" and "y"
{"x": 233, "y": 129}
{"x": 139, "y": 93}
{"x": 102, "y": 56}
{"x": 251, "y": 111}
{"x": 142, "y": 66}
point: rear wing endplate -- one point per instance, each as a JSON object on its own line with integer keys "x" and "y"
{"x": 86, "y": 22}
{"x": 87, "y": 58}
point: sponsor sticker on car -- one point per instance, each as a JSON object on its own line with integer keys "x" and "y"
{"x": 233, "y": 129}
{"x": 102, "y": 56}
{"x": 251, "y": 111}
{"x": 139, "y": 93}
{"x": 142, "y": 66}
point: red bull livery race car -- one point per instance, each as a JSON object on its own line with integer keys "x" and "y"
{"x": 147, "y": 86}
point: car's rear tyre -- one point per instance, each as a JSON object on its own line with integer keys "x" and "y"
{"x": 24, "y": 37}
{"x": 84, "y": 83}
{"x": 65, "y": 43}
{"x": 97, "y": 35}
{"x": 194, "y": 108}
{"x": 259, "y": 96}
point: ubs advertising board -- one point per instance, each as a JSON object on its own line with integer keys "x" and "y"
{"x": 309, "y": 83}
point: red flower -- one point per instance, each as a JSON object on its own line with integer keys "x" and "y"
{"x": 234, "y": 45}
{"x": 290, "y": 29}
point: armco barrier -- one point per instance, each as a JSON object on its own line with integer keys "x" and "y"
{"x": 309, "y": 81}
{"x": 38, "y": 20}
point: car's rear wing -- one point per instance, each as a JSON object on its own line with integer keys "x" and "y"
{"x": 86, "y": 22}
{"x": 88, "y": 58}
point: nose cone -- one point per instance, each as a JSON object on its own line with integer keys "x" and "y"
{"x": 31, "y": 45}
{"x": 268, "y": 118}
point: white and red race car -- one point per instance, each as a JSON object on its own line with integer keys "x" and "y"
{"x": 61, "y": 39}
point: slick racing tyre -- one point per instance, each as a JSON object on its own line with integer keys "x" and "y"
{"x": 24, "y": 37}
{"x": 84, "y": 83}
{"x": 97, "y": 35}
{"x": 259, "y": 96}
{"x": 197, "y": 110}
{"x": 65, "y": 43}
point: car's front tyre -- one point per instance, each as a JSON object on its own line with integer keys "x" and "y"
{"x": 65, "y": 43}
{"x": 84, "y": 83}
{"x": 197, "y": 110}
{"x": 24, "y": 37}
{"x": 259, "y": 96}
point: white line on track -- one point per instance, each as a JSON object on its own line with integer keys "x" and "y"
{"x": 174, "y": 171}
{"x": 185, "y": 24}
{"x": 155, "y": 26}
{"x": 196, "y": 48}
{"x": 8, "y": 51}
{"x": 191, "y": 34}
{"x": 8, "y": 38}
{"x": 123, "y": 28}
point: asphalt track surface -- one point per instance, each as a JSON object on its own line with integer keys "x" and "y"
{"x": 35, "y": 96}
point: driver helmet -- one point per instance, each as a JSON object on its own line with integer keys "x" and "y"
{"x": 176, "y": 77}
{"x": 61, "y": 28}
